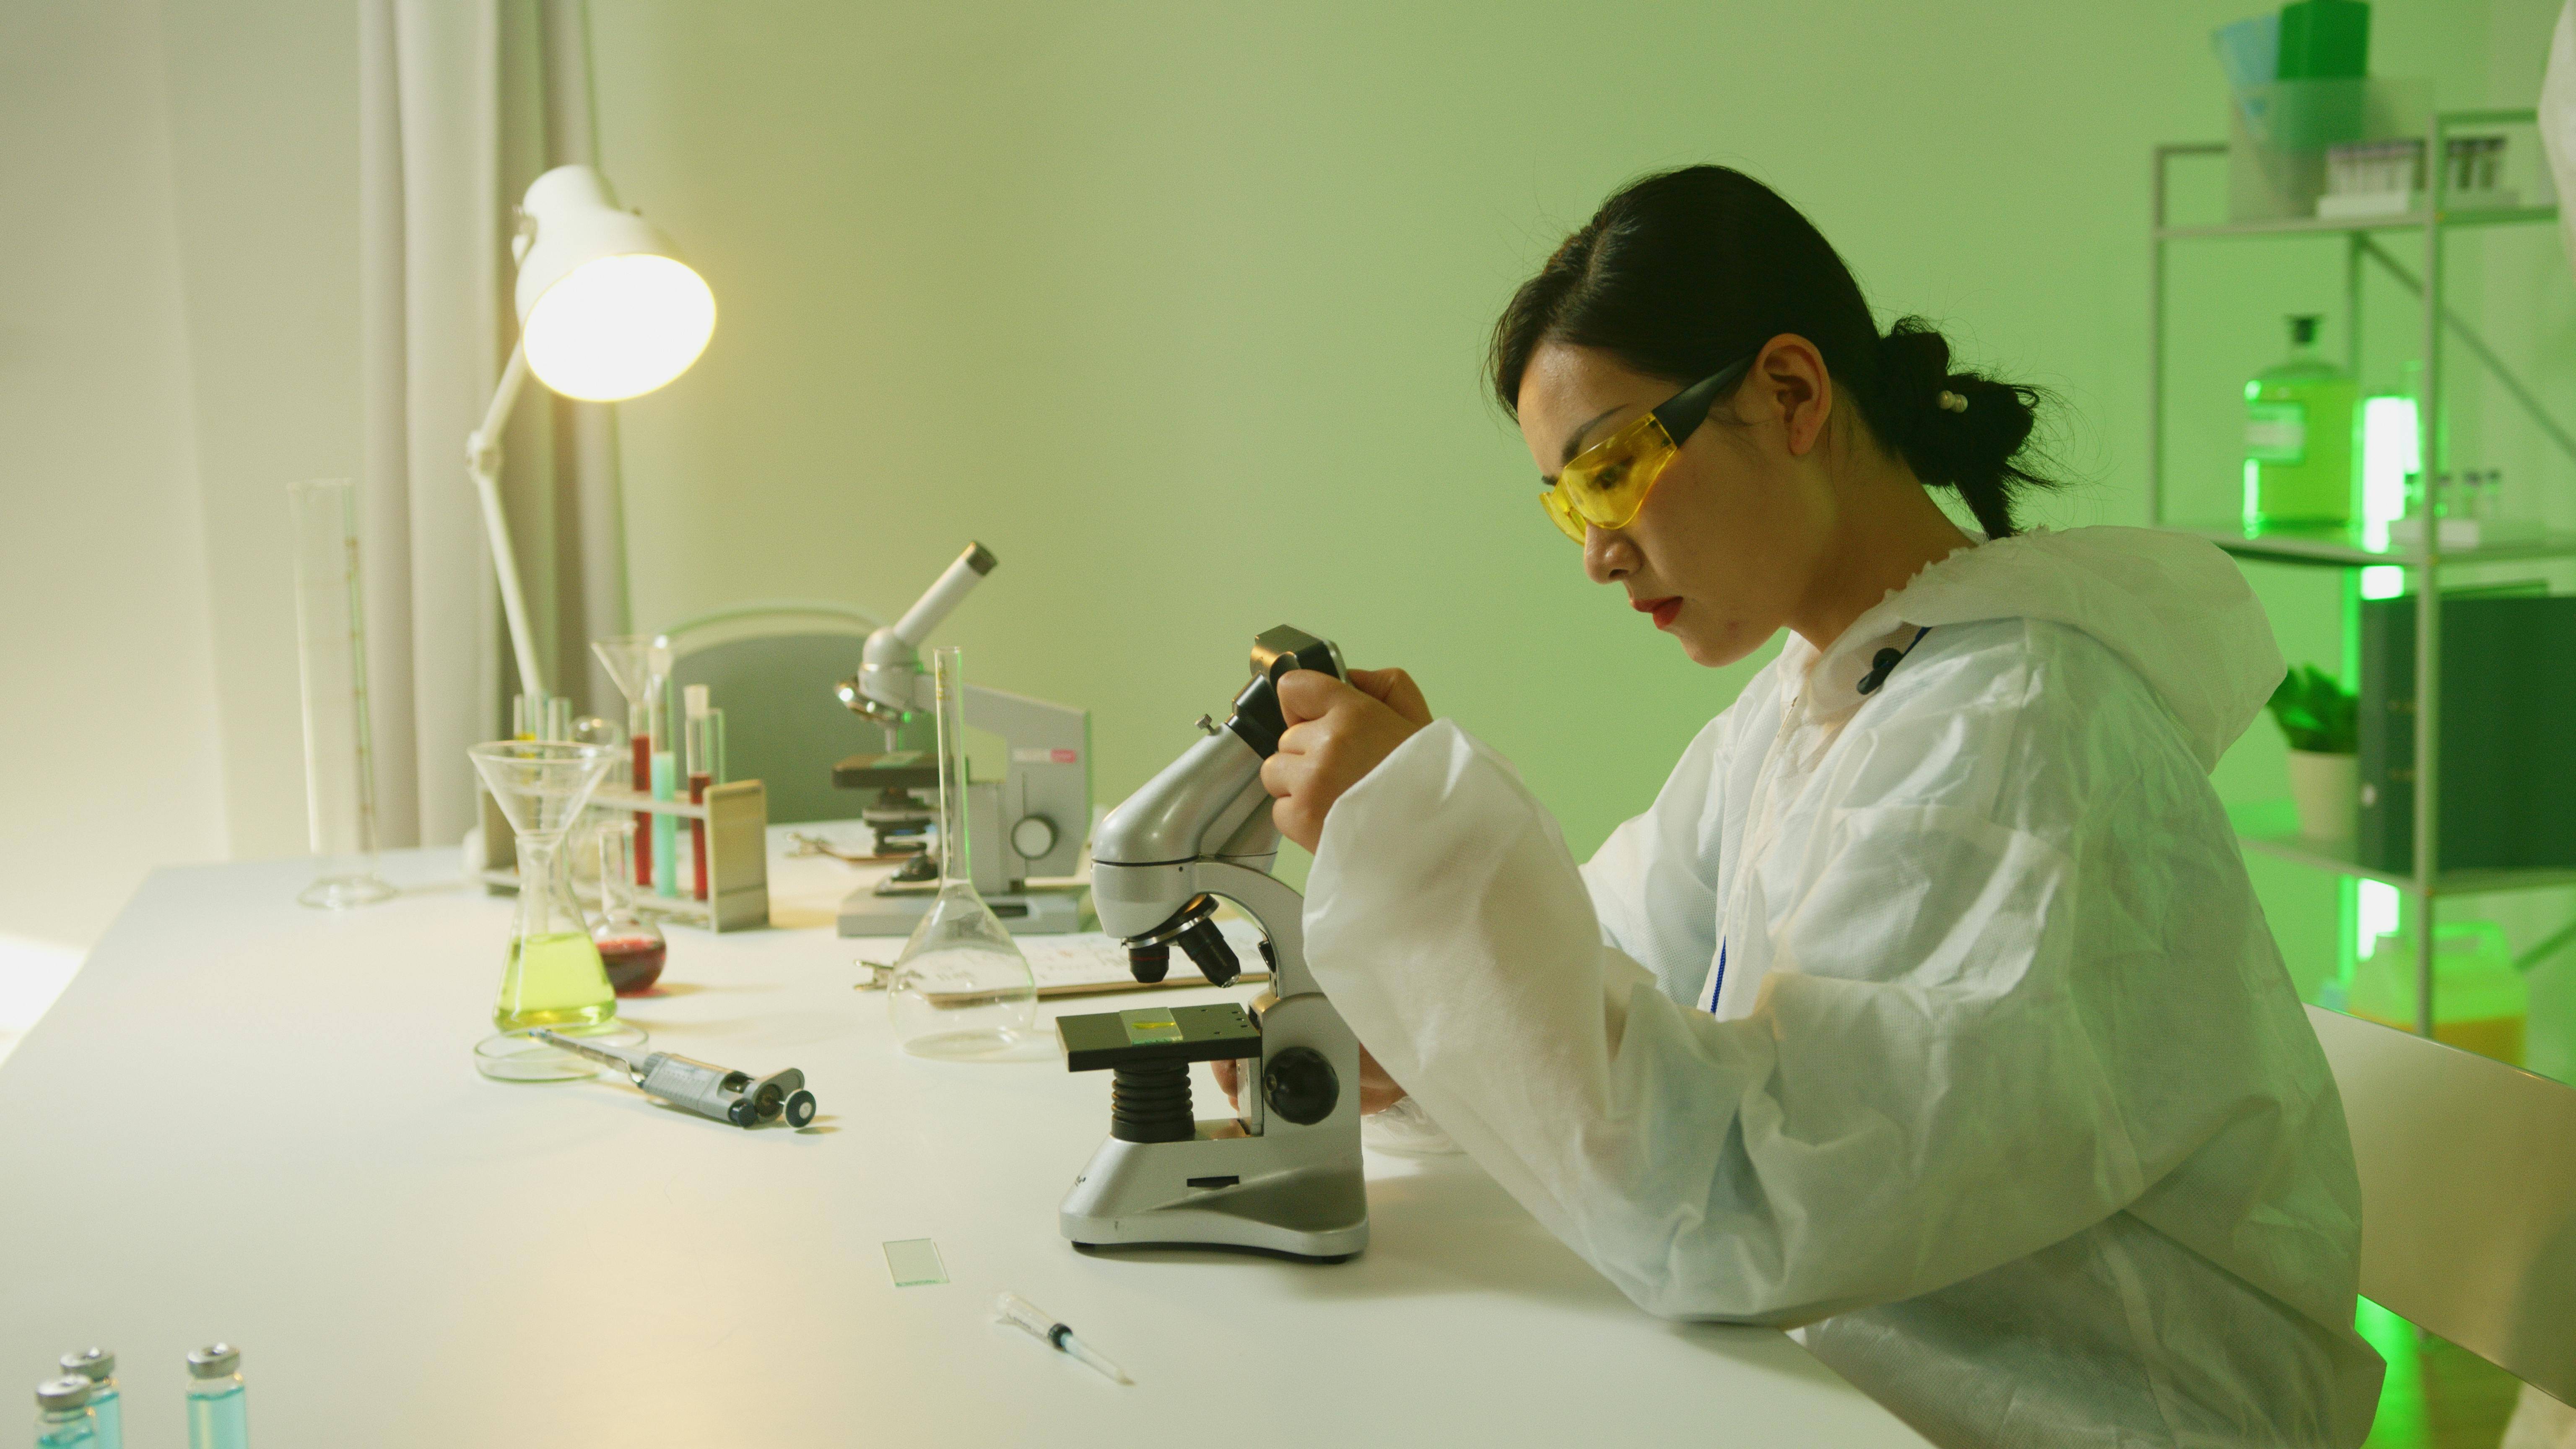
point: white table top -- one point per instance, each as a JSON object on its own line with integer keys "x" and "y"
{"x": 250, "y": 1121}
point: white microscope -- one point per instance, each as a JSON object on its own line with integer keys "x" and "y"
{"x": 1028, "y": 823}
{"x": 1284, "y": 1177}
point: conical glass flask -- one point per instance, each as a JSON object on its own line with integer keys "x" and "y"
{"x": 552, "y": 975}
{"x": 961, "y": 987}
{"x": 631, "y": 947}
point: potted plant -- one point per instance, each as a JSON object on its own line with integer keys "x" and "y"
{"x": 2323, "y": 724}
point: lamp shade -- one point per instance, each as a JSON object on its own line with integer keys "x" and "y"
{"x": 607, "y": 309}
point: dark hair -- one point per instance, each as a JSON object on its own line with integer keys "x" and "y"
{"x": 1681, "y": 273}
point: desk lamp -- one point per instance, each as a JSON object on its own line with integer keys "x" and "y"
{"x": 607, "y": 311}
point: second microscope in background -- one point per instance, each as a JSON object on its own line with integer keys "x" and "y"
{"x": 1037, "y": 813}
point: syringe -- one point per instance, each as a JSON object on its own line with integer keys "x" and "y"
{"x": 701, "y": 1087}
{"x": 1016, "y": 1309}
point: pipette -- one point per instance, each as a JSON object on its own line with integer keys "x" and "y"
{"x": 1056, "y": 1335}
{"x": 701, "y": 1087}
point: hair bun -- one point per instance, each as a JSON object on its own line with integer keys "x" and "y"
{"x": 1972, "y": 446}
{"x": 1913, "y": 358}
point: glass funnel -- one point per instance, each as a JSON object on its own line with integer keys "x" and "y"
{"x": 961, "y": 987}
{"x": 552, "y": 976}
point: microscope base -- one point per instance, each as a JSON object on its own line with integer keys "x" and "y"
{"x": 1038, "y": 912}
{"x": 1139, "y": 1195}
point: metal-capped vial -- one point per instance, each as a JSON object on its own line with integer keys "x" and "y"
{"x": 93, "y": 1364}
{"x": 60, "y": 1395}
{"x": 214, "y": 1361}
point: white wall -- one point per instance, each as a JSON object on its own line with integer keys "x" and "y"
{"x": 1098, "y": 284}
{"x": 263, "y": 100}
{"x": 178, "y": 341}
{"x": 114, "y": 733}
{"x": 1179, "y": 307}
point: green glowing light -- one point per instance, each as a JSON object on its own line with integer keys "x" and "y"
{"x": 2389, "y": 452}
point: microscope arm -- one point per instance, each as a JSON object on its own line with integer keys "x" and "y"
{"x": 890, "y": 673}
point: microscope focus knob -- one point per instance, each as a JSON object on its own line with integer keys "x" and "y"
{"x": 1300, "y": 1085}
{"x": 1034, "y": 836}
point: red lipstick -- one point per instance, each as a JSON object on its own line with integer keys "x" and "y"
{"x": 1665, "y": 610}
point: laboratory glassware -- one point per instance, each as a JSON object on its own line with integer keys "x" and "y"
{"x": 2298, "y": 437}
{"x": 552, "y": 975}
{"x": 63, "y": 1417}
{"x": 961, "y": 988}
{"x": 698, "y": 751}
{"x": 331, "y": 658}
{"x": 631, "y": 948}
{"x": 641, "y": 672}
{"x": 99, "y": 1367}
{"x": 218, "y": 1411}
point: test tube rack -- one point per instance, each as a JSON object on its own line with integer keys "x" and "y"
{"x": 737, "y": 816}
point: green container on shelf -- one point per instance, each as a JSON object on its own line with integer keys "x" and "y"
{"x": 2324, "y": 40}
{"x": 2299, "y": 417}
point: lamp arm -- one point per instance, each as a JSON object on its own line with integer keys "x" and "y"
{"x": 483, "y": 462}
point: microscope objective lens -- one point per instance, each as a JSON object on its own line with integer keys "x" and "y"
{"x": 1207, "y": 946}
{"x": 1149, "y": 963}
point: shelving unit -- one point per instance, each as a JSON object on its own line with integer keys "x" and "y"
{"x": 2269, "y": 829}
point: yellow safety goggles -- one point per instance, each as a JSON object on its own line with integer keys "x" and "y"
{"x": 1605, "y": 484}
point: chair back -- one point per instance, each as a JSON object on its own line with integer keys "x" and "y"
{"x": 771, "y": 666}
{"x": 2468, "y": 1195}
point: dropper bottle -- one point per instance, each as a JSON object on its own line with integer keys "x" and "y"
{"x": 99, "y": 1367}
{"x": 218, "y": 1415}
{"x": 63, "y": 1419}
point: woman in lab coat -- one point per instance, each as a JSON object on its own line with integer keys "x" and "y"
{"x": 1928, "y": 1011}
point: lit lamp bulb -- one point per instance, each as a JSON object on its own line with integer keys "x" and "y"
{"x": 607, "y": 310}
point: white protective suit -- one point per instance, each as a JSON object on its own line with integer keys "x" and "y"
{"x": 2006, "y": 1097}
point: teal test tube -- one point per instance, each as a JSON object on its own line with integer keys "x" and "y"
{"x": 666, "y": 852}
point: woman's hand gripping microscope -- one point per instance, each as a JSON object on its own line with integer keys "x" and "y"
{"x": 1285, "y": 1177}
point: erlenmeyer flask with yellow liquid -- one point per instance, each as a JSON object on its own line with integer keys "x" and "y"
{"x": 552, "y": 975}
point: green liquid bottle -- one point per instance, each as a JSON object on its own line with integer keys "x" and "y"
{"x": 2299, "y": 420}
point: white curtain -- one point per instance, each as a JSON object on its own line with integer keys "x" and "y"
{"x": 462, "y": 104}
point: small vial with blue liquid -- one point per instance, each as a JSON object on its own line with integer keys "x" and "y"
{"x": 218, "y": 1418}
{"x": 99, "y": 1367}
{"x": 63, "y": 1419}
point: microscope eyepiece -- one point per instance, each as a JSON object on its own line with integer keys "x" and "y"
{"x": 1257, "y": 720}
